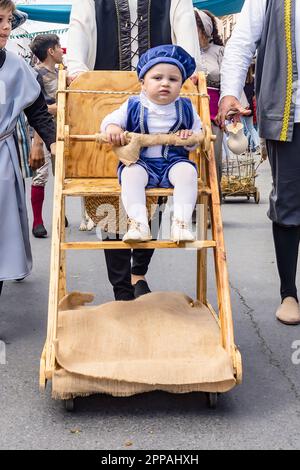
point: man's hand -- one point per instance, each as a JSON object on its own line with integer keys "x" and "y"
{"x": 184, "y": 134}
{"x": 115, "y": 135}
{"x": 37, "y": 157}
{"x": 230, "y": 108}
{"x": 52, "y": 108}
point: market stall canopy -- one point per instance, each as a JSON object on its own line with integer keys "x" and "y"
{"x": 47, "y": 13}
{"x": 61, "y": 13}
{"x": 220, "y": 7}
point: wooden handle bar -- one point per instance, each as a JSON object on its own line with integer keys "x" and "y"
{"x": 149, "y": 140}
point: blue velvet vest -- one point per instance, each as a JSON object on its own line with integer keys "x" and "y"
{"x": 137, "y": 121}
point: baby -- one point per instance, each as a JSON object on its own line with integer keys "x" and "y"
{"x": 158, "y": 110}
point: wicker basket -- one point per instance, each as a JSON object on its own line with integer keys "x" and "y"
{"x": 108, "y": 212}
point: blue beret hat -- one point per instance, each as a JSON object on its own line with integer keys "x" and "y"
{"x": 18, "y": 19}
{"x": 169, "y": 54}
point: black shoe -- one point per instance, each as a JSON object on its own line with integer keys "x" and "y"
{"x": 141, "y": 288}
{"x": 39, "y": 231}
{"x": 194, "y": 217}
{"x": 124, "y": 298}
{"x": 66, "y": 222}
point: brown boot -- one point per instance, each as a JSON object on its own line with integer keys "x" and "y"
{"x": 289, "y": 312}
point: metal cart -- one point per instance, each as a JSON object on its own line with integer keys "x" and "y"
{"x": 239, "y": 175}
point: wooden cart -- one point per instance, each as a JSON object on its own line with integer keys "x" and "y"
{"x": 80, "y": 110}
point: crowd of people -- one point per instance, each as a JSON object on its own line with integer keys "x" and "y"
{"x": 166, "y": 43}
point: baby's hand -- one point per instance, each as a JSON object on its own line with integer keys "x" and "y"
{"x": 185, "y": 134}
{"x": 115, "y": 135}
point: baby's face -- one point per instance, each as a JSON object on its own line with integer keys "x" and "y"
{"x": 6, "y": 18}
{"x": 162, "y": 84}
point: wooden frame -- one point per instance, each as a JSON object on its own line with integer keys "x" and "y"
{"x": 75, "y": 176}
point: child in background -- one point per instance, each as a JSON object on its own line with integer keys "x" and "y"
{"x": 47, "y": 48}
{"x": 158, "y": 110}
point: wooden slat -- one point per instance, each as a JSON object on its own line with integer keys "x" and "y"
{"x": 201, "y": 286}
{"x": 111, "y": 187}
{"x": 222, "y": 280}
{"x": 43, "y": 380}
{"x": 56, "y": 262}
{"x": 62, "y": 267}
{"x": 109, "y": 245}
{"x": 214, "y": 314}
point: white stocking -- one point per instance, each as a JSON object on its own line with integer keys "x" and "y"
{"x": 183, "y": 176}
{"x": 134, "y": 180}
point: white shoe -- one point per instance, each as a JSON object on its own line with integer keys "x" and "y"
{"x": 90, "y": 224}
{"x": 137, "y": 233}
{"x": 180, "y": 232}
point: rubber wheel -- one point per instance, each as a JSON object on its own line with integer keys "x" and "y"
{"x": 257, "y": 197}
{"x": 212, "y": 400}
{"x": 70, "y": 404}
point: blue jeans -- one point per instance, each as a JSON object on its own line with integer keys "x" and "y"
{"x": 250, "y": 132}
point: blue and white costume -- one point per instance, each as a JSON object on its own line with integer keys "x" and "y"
{"x": 159, "y": 166}
{"x": 140, "y": 115}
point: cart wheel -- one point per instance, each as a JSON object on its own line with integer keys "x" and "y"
{"x": 257, "y": 197}
{"x": 70, "y": 404}
{"x": 212, "y": 400}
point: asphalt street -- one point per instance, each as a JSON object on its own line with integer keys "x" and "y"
{"x": 262, "y": 413}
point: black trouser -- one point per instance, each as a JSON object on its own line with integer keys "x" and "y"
{"x": 1, "y": 285}
{"x": 285, "y": 208}
{"x": 118, "y": 262}
{"x": 119, "y": 269}
{"x": 286, "y": 240}
{"x": 284, "y": 159}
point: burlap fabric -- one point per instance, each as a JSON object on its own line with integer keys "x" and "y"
{"x": 161, "y": 341}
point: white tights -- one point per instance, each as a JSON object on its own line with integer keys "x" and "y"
{"x": 183, "y": 176}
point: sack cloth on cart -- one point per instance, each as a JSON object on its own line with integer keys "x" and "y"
{"x": 161, "y": 341}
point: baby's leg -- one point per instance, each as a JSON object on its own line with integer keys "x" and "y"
{"x": 183, "y": 176}
{"x": 134, "y": 180}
